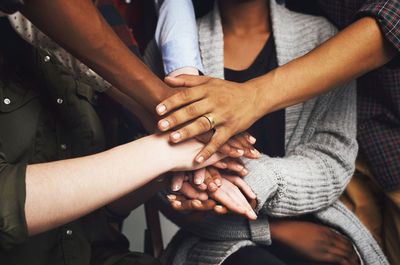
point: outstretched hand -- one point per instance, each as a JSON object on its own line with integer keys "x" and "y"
{"x": 233, "y": 107}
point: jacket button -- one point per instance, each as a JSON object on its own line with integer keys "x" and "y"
{"x": 69, "y": 232}
{"x": 60, "y": 101}
{"x": 46, "y": 59}
{"x": 63, "y": 147}
{"x": 7, "y": 101}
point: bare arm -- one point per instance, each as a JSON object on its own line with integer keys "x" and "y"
{"x": 79, "y": 28}
{"x": 359, "y": 48}
{"x": 356, "y": 50}
{"x": 59, "y": 192}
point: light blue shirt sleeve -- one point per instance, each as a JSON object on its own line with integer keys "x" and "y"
{"x": 176, "y": 35}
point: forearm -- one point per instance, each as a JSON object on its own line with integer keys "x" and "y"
{"x": 148, "y": 120}
{"x": 131, "y": 201}
{"x": 78, "y": 27}
{"x": 353, "y": 52}
{"x": 59, "y": 192}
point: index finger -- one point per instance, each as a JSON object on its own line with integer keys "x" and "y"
{"x": 217, "y": 140}
{"x": 184, "y": 97}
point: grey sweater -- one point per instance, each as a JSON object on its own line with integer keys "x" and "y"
{"x": 320, "y": 146}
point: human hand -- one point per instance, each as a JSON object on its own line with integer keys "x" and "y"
{"x": 198, "y": 209}
{"x": 181, "y": 155}
{"x": 229, "y": 195}
{"x": 191, "y": 184}
{"x": 208, "y": 178}
{"x": 233, "y": 106}
{"x": 237, "y": 146}
{"x": 313, "y": 242}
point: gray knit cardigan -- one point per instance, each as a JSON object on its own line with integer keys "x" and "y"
{"x": 320, "y": 146}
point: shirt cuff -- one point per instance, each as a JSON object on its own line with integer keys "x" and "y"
{"x": 261, "y": 179}
{"x": 178, "y": 54}
{"x": 387, "y": 14}
{"x": 13, "y": 227}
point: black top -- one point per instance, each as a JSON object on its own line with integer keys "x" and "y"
{"x": 270, "y": 129}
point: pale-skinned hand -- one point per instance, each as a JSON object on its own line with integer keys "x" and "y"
{"x": 232, "y": 105}
{"x": 198, "y": 177}
{"x": 229, "y": 195}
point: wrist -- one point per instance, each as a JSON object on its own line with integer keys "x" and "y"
{"x": 262, "y": 97}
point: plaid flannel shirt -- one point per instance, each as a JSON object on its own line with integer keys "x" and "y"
{"x": 378, "y": 91}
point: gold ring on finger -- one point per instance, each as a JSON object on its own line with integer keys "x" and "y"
{"x": 210, "y": 119}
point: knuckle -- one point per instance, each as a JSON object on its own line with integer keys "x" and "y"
{"x": 186, "y": 94}
{"x": 191, "y": 110}
{"x": 207, "y": 152}
{"x": 211, "y": 149}
{"x": 184, "y": 132}
{"x": 173, "y": 120}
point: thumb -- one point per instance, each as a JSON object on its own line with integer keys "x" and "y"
{"x": 186, "y": 80}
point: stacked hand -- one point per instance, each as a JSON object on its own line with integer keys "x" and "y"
{"x": 207, "y": 103}
{"x": 231, "y": 194}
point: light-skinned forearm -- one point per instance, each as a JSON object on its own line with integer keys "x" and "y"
{"x": 353, "y": 52}
{"x": 78, "y": 27}
{"x": 131, "y": 201}
{"x": 59, "y": 192}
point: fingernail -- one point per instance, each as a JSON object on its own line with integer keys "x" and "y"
{"x": 224, "y": 165}
{"x": 164, "y": 124}
{"x": 218, "y": 208}
{"x": 245, "y": 171}
{"x": 175, "y": 187}
{"x": 198, "y": 181}
{"x": 255, "y": 152}
{"x": 177, "y": 203}
{"x": 218, "y": 182}
{"x": 171, "y": 196}
{"x": 240, "y": 151}
{"x": 239, "y": 167}
{"x": 200, "y": 159}
{"x": 252, "y": 139}
{"x": 202, "y": 186}
{"x": 212, "y": 186}
{"x": 161, "y": 108}
{"x": 252, "y": 214}
{"x": 176, "y": 136}
{"x": 196, "y": 203}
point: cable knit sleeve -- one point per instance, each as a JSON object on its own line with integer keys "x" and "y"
{"x": 319, "y": 161}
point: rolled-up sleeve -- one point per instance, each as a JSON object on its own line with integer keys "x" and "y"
{"x": 176, "y": 35}
{"x": 13, "y": 228}
{"x": 10, "y": 6}
{"x": 387, "y": 14}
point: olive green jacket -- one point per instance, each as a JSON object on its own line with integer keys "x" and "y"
{"x": 55, "y": 121}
